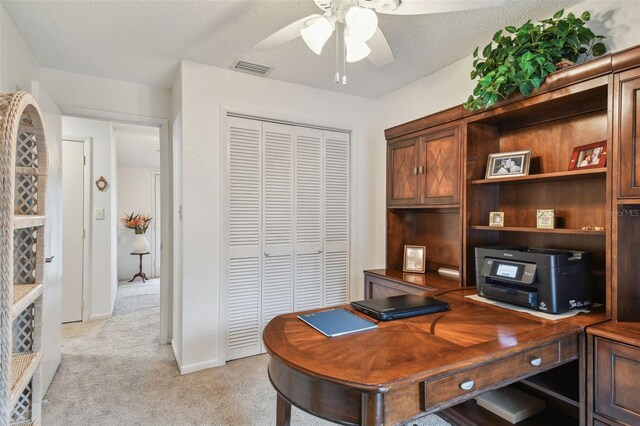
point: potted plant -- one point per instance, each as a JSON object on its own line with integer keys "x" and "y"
{"x": 519, "y": 59}
{"x": 139, "y": 223}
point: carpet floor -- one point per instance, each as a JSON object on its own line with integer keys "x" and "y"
{"x": 115, "y": 372}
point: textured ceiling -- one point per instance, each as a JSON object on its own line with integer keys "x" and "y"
{"x": 143, "y": 41}
{"x": 137, "y": 146}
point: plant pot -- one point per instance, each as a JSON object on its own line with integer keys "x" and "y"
{"x": 564, "y": 64}
{"x": 140, "y": 244}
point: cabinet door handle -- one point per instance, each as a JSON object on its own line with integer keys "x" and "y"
{"x": 467, "y": 385}
{"x": 421, "y": 170}
{"x": 49, "y": 259}
{"x": 415, "y": 171}
{"x": 535, "y": 361}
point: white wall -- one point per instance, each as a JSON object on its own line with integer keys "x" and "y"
{"x": 102, "y": 233}
{"x": 135, "y": 194}
{"x": 19, "y": 71}
{"x": 206, "y": 92}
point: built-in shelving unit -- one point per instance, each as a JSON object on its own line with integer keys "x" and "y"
{"x": 22, "y": 234}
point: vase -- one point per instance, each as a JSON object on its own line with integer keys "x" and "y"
{"x": 140, "y": 244}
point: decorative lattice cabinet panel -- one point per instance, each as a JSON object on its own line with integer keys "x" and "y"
{"x": 23, "y": 182}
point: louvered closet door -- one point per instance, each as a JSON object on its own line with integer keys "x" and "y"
{"x": 336, "y": 218}
{"x": 244, "y": 245}
{"x": 278, "y": 221}
{"x": 309, "y": 229}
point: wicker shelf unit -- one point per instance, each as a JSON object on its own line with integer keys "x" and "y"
{"x": 23, "y": 181}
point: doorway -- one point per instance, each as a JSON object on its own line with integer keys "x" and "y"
{"x": 75, "y": 213}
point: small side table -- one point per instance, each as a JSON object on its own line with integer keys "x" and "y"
{"x": 139, "y": 273}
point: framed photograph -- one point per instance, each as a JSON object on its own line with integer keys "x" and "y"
{"x": 507, "y": 164}
{"x": 413, "y": 259}
{"x": 496, "y": 219}
{"x": 545, "y": 219}
{"x": 589, "y": 156}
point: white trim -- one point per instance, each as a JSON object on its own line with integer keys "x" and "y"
{"x": 86, "y": 242}
{"x": 192, "y": 368}
{"x": 101, "y": 316}
{"x": 166, "y": 176}
{"x": 156, "y": 235}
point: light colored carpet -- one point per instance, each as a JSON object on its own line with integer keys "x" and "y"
{"x": 114, "y": 372}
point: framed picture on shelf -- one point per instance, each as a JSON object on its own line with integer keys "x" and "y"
{"x": 590, "y": 156}
{"x": 507, "y": 164}
{"x": 414, "y": 259}
{"x": 496, "y": 219}
{"x": 545, "y": 219}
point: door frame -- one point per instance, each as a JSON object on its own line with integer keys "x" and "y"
{"x": 157, "y": 234}
{"x": 166, "y": 177}
{"x": 87, "y": 203}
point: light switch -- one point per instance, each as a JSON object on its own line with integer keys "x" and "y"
{"x": 99, "y": 214}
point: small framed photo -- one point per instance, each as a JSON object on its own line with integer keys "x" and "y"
{"x": 413, "y": 259}
{"x": 589, "y": 156}
{"x": 496, "y": 219}
{"x": 545, "y": 219}
{"x": 507, "y": 164}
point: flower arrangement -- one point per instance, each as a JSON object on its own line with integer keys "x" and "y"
{"x": 138, "y": 222}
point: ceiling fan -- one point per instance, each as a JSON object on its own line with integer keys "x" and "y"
{"x": 362, "y": 38}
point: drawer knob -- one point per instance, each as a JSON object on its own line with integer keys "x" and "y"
{"x": 535, "y": 361}
{"x": 395, "y": 285}
{"x": 467, "y": 385}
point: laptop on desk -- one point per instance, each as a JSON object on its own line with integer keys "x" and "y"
{"x": 396, "y": 307}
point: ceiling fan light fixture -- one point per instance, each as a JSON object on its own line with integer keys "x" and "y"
{"x": 356, "y": 49}
{"x": 317, "y": 34}
{"x": 362, "y": 23}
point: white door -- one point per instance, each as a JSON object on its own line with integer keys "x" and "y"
{"x": 72, "y": 229}
{"x": 156, "y": 225}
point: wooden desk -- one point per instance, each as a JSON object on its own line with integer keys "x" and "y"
{"x": 408, "y": 368}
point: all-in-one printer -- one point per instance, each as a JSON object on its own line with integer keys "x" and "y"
{"x": 548, "y": 280}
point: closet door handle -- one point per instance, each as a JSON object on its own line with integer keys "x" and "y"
{"x": 267, "y": 254}
{"x": 415, "y": 171}
{"x": 319, "y": 251}
{"x": 49, "y": 259}
{"x": 421, "y": 170}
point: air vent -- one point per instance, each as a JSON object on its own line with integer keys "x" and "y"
{"x": 251, "y": 68}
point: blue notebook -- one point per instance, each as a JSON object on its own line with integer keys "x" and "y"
{"x": 336, "y": 322}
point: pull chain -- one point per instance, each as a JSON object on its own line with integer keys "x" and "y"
{"x": 337, "y": 56}
{"x": 344, "y": 60}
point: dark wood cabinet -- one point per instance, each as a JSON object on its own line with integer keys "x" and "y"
{"x": 402, "y": 172}
{"x": 627, "y": 131}
{"x": 424, "y": 169}
{"x": 440, "y": 155}
{"x": 616, "y": 373}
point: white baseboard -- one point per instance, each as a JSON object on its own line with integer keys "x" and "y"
{"x": 192, "y": 368}
{"x": 100, "y": 316}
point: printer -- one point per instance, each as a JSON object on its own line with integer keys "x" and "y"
{"x": 547, "y": 280}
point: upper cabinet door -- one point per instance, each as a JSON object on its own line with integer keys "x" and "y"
{"x": 627, "y": 131}
{"x": 439, "y": 167}
{"x": 402, "y": 172}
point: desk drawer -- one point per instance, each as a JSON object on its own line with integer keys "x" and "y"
{"x": 468, "y": 383}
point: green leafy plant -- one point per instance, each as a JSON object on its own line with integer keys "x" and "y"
{"x": 519, "y": 59}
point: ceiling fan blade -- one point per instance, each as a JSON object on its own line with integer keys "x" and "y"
{"x": 422, "y": 7}
{"x": 381, "y": 53}
{"x": 286, "y": 34}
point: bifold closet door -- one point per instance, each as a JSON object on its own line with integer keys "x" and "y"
{"x": 278, "y": 224}
{"x": 336, "y": 218}
{"x": 288, "y": 227}
{"x": 309, "y": 247}
{"x": 244, "y": 253}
